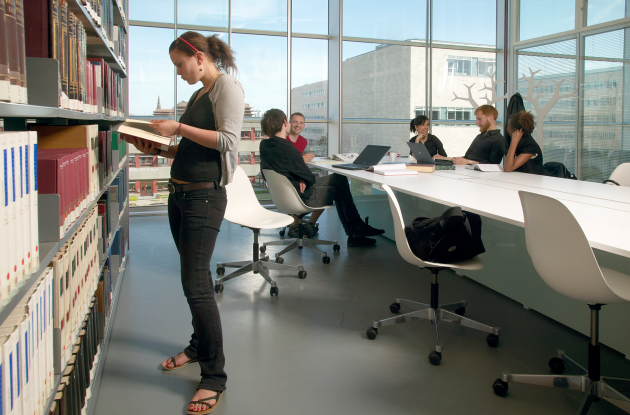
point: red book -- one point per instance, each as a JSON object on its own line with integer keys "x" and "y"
{"x": 40, "y": 23}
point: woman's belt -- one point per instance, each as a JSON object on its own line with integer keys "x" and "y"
{"x": 175, "y": 187}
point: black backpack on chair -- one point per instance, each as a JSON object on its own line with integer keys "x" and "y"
{"x": 452, "y": 237}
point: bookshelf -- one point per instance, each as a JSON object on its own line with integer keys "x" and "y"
{"x": 45, "y": 107}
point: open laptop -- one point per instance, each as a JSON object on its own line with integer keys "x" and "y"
{"x": 422, "y": 155}
{"x": 369, "y": 157}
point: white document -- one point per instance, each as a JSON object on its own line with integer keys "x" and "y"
{"x": 32, "y": 189}
{"x": 347, "y": 157}
{"x": 393, "y": 169}
{"x": 484, "y": 167}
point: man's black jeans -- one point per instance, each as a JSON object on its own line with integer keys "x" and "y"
{"x": 195, "y": 218}
{"x": 335, "y": 187}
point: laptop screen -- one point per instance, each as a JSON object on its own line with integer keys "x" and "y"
{"x": 372, "y": 155}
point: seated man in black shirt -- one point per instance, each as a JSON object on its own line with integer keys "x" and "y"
{"x": 489, "y": 146}
{"x": 279, "y": 154}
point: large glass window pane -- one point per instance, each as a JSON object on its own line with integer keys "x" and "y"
{"x": 249, "y": 155}
{"x": 203, "y": 13}
{"x": 161, "y": 11}
{"x": 310, "y": 16}
{"x": 566, "y": 47}
{"x": 309, "y": 90}
{"x": 461, "y": 80}
{"x": 151, "y": 93}
{"x": 606, "y": 139}
{"x": 605, "y": 45}
{"x": 262, "y": 65}
{"x": 150, "y": 70}
{"x": 357, "y": 136}
{"x": 260, "y": 14}
{"x": 385, "y": 82}
{"x": 461, "y": 21}
{"x": 544, "y": 17}
{"x": 184, "y": 90}
{"x": 601, "y": 11}
{"x": 549, "y": 82}
{"x": 404, "y": 20}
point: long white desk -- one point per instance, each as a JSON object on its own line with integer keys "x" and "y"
{"x": 603, "y": 212}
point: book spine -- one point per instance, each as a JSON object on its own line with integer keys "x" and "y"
{"x": 5, "y": 85}
{"x": 19, "y": 19}
{"x": 72, "y": 54}
{"x": 12, "y": 46}
{"x": 63, "y": 52}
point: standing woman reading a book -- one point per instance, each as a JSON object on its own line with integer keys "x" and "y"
{"x": 420, "y": 126}
{"x": 204, "y": 162}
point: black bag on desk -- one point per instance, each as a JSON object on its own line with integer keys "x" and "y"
{"x": 454, "y": 236}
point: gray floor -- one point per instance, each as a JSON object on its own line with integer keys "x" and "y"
{"x": 306, "y": 351}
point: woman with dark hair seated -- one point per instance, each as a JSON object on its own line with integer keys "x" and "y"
{"x": 420, "y": 126}
{"x": 524, "y": 154}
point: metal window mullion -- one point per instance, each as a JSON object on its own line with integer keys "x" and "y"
{"x": 289, "y": 29}
{"x": 426, "y": 67}
{"x": 175, "y": 68}
{"x": 230, "y": 23}
{"x": 579, "y": 128}
{"x": 340, "y": 86}
{"x": 430, "y": 74}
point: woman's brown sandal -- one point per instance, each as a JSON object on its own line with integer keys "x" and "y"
{"x": 175, "y": 367}
{"x": 205, "y": 402}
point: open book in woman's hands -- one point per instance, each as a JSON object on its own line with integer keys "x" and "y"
{"x": 141, "y": 129}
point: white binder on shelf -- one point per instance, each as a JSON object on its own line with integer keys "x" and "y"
{"x": 19, "y": 207}
{"x": 9, "y": 188}
{"x": 32, "y": 189}
{"x": 25, "y": 220}
{"x": 49, "y": 281}
{"x": 5, "y": 273}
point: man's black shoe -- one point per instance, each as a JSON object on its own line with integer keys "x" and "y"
{"x": 354, "y": 242}
{"x": 362, "y": 229}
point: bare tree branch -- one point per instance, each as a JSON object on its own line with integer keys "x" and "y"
{"x": 469, "y": 99}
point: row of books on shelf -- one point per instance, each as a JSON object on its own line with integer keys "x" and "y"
{"x": 27, "y": 358}
{"x": 51, "y": 30}
{"x": 73, "y": 162}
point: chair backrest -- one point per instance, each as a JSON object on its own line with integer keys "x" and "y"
{"x": 283, "y": 194}
{"x": 399, "y": 228}
{"x": 240, "y": 195}
{"x": 621, "y": 175}
{"x": 560, "y": 251}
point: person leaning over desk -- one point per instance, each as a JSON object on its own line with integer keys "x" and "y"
{"x": 524, "y": 154}
{"x": 204, "y": 163}
{"x": 489, "y": 146}
{"x": 420, "y": 126}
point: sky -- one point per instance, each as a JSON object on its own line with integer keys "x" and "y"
{"x": 262, "y": 60}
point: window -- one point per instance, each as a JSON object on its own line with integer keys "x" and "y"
{"x": 486, "y": 67}
{"x": 314, "y": 105}
{"x": 542, "y": 17}
{"x": 459, "y": 66}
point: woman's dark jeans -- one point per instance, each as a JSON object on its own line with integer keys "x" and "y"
{"x": 195, "y": 218}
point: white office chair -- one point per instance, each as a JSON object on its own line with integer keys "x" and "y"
{"x": 620, "y": 176}
{"x": 451, "y": 313}
{"x": 244, "y": 209}
{"x": 564, "y": 259}
{"x": 287, "y": 200}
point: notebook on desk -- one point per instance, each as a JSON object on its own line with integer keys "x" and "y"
{"x": 369, "y": 157}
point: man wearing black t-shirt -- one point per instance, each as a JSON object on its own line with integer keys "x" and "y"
{"x": 489, "y": 146}
{"x": 278, "y": 154}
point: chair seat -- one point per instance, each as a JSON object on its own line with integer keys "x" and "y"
{"x": 471, "y": 264}
{"x": 257, "y": 217}
{"x": 619, "y": 283}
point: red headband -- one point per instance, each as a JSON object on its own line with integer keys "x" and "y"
{"x": 186, "y": 42}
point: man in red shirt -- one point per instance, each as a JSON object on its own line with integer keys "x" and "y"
{"x": 299, "y": 142}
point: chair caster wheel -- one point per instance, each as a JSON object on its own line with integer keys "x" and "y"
{"x": 279, "y": 260}
{"x": 394, "y": 308}
{"x": 218, "y": 288}
{"x": 273, "y": 291}
{"x": 326, "y": 260}
{"x": 492, "y": 340}
{"x": 556, "y": 365}
{"x": 302, "y": 274}
{"x": 263, "y": 249}
{"x": 371, "y": 333}
{"x": 499, "y": 387}
{"x": 220, "y": 271}
{"x": 336, "y": 248}
{"x": 435, "y": 358}
{"x": 460, "y": 311}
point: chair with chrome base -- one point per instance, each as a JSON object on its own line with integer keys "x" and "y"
{"x": 450, "y": 313}
{"x": 244, "y": 209}
{"x": 564, "y": 259}
{"x": 287, "y": 200}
